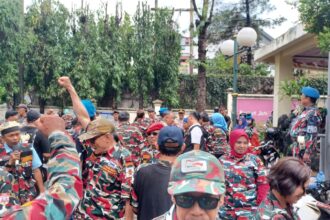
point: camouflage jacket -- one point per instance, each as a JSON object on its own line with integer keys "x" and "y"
{"x": 7, "y": 197}
{"x": 24, "y": 184}
{"x": 131, "y": 138}
{"x": 305, "y": 124}
{"x": 242, "y": 179}
{"x": 216, "y": 142}
{"x": 108, "y": 185}
{"x": 142, "y": 124}
{"x": 63, "y": 188}
{"x": 270, "y": 209}
{"x": 149, "y": 154}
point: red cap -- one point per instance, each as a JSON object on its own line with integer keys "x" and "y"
{"x": 155, "y": 127}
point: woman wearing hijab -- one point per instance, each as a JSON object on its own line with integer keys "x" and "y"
{"x": 242, "y": 123}
{"x": 246, "y": 181}
{"x": 217, "y": 139}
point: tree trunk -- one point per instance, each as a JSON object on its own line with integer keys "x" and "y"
{"x": 202, "y": 44}
{"x": 42, "y": 105}
{"x": 141, "y": 99}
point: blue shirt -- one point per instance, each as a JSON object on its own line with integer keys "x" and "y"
{"x": 36, "y": 162}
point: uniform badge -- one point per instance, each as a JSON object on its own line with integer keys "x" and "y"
{"x": 190, "y": 165}
{"x": 4, "y": 198}
{"x": 109, "y": 170}
{"x": 311, "y": 129}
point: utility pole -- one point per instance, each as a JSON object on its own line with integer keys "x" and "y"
{"x": 21, "y": 61}
{"x": 248, "y": 24}
{"x": 191, "y": 40}
{"x": 156, "y": 4}
{"x": 191, "y": 30}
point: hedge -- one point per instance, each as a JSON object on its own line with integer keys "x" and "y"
{"x": 217, "y": 86}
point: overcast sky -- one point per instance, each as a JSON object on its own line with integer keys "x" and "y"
{"x": 183, "y": 18}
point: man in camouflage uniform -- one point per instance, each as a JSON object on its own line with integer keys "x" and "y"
{"x": 130, "y": 137}
{"x": 179, "y": 120}
{"x": 141, "y": 122}
{"x": 23, "y": 163}
{"x": 109, "y": 174}
{"x": 152, "y": 116}
{"x": 150, "y": 152}
{"x": 197, "y": 187}
{"x": 64, "y": 186}
{"x": 304, "y": 128}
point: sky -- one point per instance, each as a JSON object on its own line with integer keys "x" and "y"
{"x": 182, "y": 18}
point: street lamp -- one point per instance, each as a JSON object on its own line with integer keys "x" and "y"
{"x": 246, "y": 37}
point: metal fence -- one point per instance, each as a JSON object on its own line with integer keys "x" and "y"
{"x": 324, "y": 156}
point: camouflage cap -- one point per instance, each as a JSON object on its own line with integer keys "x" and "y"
{"x": 96, "y": 128}
{"x": 197, "y": 171}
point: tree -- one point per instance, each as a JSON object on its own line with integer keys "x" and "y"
{"x": 316, "y": 17}
{"x": 167, "y": 51}
{"x": 116, "y": 35}
{"x": 142, "y": 76}
{"x": 12, "y": 41}
{"x": 204, "y": 20}
{"x": 48, "y": 20}
{"x": 220, "y": 65}
{"x": 247, "y": 13}
{"x": 85, "y": 56}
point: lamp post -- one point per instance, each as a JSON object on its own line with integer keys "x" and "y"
{"x": 246, "y": 37}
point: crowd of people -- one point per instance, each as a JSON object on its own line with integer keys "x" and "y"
{"x": 190, "y": 166}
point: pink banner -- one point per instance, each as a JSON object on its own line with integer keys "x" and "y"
{"x": 260, "y": 108}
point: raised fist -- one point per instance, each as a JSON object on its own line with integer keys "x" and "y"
{"x": 65, "y": 82}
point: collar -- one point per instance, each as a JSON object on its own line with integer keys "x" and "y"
{"x": 107, "y": 153}
{"x": 171, "y": 214}
{"x": 194, "y": 125}
{"x": 238, "y": 159}
{"x": 164, "y": 163}
{"x": 7, "y": 148}
{"x": 310, "y": 107}
{"x": 124, "y": 123}
{"x": 277, "y": 204}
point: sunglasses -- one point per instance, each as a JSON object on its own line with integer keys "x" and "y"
{"x": 153, "y": 133}
{"x": 92, "y": 141}
{"x": 205, "y": 202}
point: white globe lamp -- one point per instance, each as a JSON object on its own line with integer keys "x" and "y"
{"x": 227, "y": 47}
{"x": 247, "y": 37}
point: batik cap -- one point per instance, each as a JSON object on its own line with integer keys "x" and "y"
{"x": 9, "y": 126}
{"x": 197, "y": 171}
{"x": 96, "y": 128}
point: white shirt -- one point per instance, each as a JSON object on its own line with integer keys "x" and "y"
{"x": 196, "y": 134}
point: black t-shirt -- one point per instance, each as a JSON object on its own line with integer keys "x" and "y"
{"x": 40, "y": 142}
{"x": 150, "y": 185}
